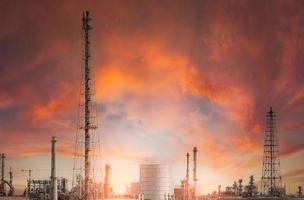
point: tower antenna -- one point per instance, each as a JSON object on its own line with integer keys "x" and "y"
{"x": 271, "y": 173}
{"x": 87, "y": 99}
{"x": 87, "y": 147}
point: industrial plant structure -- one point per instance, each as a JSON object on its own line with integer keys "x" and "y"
{"x": 186, "y": 191}
{"x": 47, "y": 189}
{"x": 43, "y": 189}
{"x": 87, "y": 147}
{"x": 154, "y": 179}
{"x": 155, "y": 182}
{"x": 3, "y": 181}
{"x": 271, "y": 181}
{"x": 107, "y": 189}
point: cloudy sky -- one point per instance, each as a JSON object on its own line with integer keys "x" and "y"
{"x": 170, "y": 75}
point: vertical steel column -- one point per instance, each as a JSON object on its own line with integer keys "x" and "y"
{"x": 87, "y": 99}
{"x": 54, "y": 193}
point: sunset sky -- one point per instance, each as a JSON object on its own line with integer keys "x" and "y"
{"x": 170, "y": 75}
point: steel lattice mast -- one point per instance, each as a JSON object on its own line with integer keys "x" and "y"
{"x": 87, "y": 95}
{"x": 87, "y": 146}
{"x": 271, "y": 174}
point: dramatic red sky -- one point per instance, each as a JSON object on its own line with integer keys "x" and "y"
{"x": 169, "y": 75}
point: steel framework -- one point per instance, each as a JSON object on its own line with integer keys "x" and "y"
{"x": 271, "y": 174}
{"x": 87, "y": 145}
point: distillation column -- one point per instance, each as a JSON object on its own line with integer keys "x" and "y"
{"x": 54, "y": 193}
{"x": 2, "y": 185}
{"x": 194, "y": 172}
{"x": 187, "y": 178}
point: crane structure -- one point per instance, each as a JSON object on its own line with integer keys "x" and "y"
{"x": 87, "y": 145}
{"x": 271, "y": 181}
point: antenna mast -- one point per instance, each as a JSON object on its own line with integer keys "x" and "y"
{"x": 87, "y": 145}
{"x": 271, "y": 174}
{"x": 87, "y": 99}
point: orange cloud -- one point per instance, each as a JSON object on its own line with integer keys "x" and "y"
{"x": 245, "y": 144}
{"x": 63, "y": 99}
{"x": 291, "y": 150}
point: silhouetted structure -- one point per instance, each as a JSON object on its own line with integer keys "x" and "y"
{"x": 194, "y": 172}
{"x": 240, "y": 187}
{"x": 250, "y": 189}
{"x": 271, "y": 174}
{"x": 87, "y": 95}
{"x": 299, "y": 192}
{"x": 187, "y": 178}
{"x": 10, "y": 183}
{"x": 2, "y": 185}
{"x": 84, "y": 184}
{"x": 53, "y": 193}
{"x": 107, "y": 190}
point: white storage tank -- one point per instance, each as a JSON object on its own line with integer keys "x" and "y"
{"x": 154, "y": 181}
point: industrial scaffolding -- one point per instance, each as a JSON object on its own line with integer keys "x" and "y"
{"x": 87, "y": 166}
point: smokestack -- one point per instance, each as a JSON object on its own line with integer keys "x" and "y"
{"x": 107, "y": 182}
{"x": 54, "y": 194}
{"x": 187, "y": 178}
{"x": 2, "y": 168}
{"x": 194, "y": 171}
{"x": 2, "y": 186}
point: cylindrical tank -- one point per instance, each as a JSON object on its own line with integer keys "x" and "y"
{"x": 155, "y": 181}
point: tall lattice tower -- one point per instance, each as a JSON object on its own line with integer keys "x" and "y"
{"x": 87, "y": 166}
{"x": 271, "y": 182}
